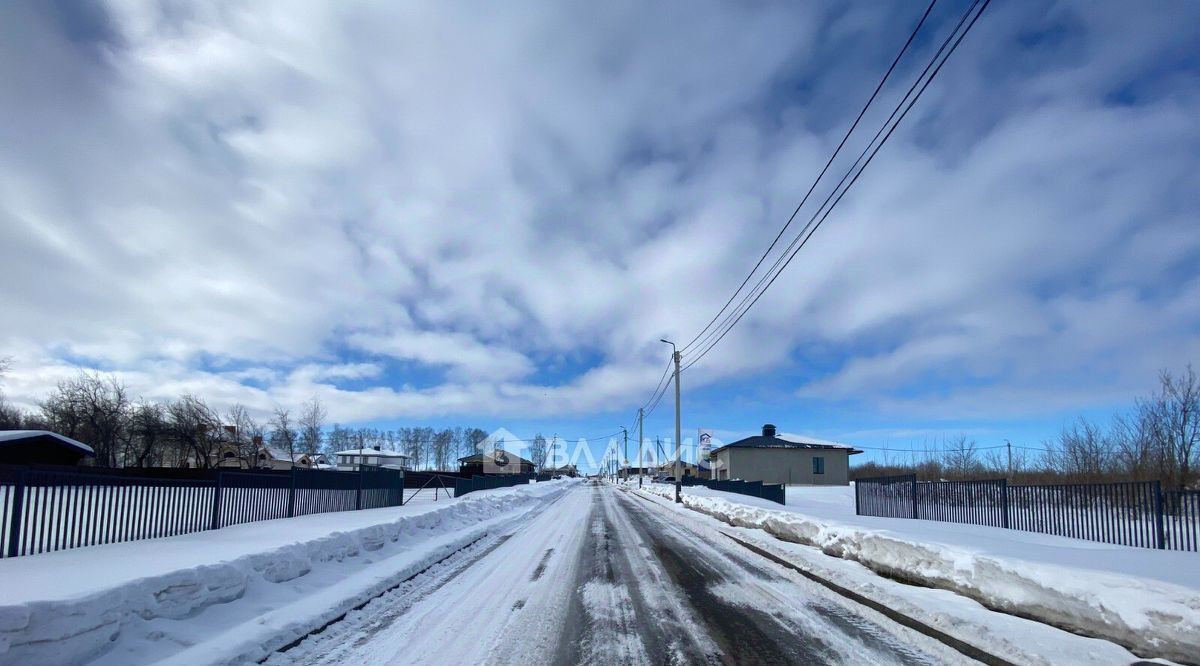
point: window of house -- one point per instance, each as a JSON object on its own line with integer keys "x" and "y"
{"x": 818, "y": 465}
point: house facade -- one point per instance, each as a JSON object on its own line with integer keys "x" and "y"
{"x": 350, "y": 459}
{"x": 772, "y": 459}
{"x": 498, "y": 461}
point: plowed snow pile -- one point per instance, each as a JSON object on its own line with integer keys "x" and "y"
{"x": 1095, "y": 589}
{"x": 272, "y": 581}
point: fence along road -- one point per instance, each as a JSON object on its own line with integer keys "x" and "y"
{"x": 601, "y": 578}
{"x": 1138, "y": 513}
{"x": 48, "y": 508}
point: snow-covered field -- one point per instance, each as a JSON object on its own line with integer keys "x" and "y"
{"x": 238, "y": 592}
{"x": 1148, "y": 600}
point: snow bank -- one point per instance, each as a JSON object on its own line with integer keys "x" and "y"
{"x": 71, "y": 606}
{"x": 1147, "y": 615}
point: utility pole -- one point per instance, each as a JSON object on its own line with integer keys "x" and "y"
{"x": 1009, "y": 459}
{"x": 639, "y": 447}
{"x": 678, "y": 434}
{"x": 626, "y": 454}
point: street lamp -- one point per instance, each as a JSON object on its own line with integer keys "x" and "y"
{"x": 678, "y": 444}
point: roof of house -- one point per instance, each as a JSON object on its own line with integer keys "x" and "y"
{"x": 14, "y": 436}
{"x": 480, "y": 457}
{"x": 381, "y": 453}
{"x": 790, "y": 442}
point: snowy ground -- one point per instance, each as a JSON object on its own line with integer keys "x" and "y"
{"x": 1146, "y": 599}
{"x": 563, "y": 572}
{"x": 601, "y": 577}
{"x": 252, "y": 587}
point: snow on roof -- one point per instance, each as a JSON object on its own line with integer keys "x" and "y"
{"x": 805, "y": 439}
{"x": 7, "y": 436}
{"x": 382, "y": 453}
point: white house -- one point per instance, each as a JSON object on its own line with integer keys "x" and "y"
{"x": 350, "y": 459}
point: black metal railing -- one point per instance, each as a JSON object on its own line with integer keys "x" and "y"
{"x": 1136, "y": 513}
{"x": 46, "y": 508}
{"x": 768, "y": 491}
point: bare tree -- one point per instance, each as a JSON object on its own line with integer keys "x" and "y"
{"x": 442, "y": 441}
{"x": 1134, "y": 450}
{"x": 1171, "y": 421}
{"x": 962, "y": 457}
{"x": 150, "y": 435}
{"x": 1082, "y": 451}
{"x": 340, "y": 439}
{"x": 10, "y": 417}
{"x": 537, "y": 451}
{"x": 196, "y": 427}
{"x": 248, "y": 433}
{"x": 283, "y": 436}
{"x": 93, "y": 410}
{"x": 312, "y": 423}
{"x": 413, "y": 441}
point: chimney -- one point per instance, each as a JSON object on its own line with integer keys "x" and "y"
{"x": 768, "y": 430}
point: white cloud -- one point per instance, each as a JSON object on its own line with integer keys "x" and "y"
{"x": 263, "y": 185}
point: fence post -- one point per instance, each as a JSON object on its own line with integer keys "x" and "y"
{"x": 14, "y": 523}
{"x": 292, "y": 494}
{"x": 216, "y": 506}
{"x": 914, "y": 495}
{"x": 1158, "y": 516}
{"x": 1004, "y": 502}
{"x": 857, "y": 488}
{"x": 358, "y": 493}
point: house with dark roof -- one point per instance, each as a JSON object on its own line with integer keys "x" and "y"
{"x": 41, "y": 447}
{"x": 794, "y": 461}
{"x": 497, "y": 461}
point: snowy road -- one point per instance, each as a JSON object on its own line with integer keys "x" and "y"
{"x": 602, "y": 576}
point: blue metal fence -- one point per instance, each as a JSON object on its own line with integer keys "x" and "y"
{"x": 1137, "y": 513}
{"x": 45, "y": 508}
{"x": 768, "y": 491}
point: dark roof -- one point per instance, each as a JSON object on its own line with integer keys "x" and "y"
{"x": 14, "y": 437}
{"x": 479, "y": 457}
{"x": 767, "y": 442}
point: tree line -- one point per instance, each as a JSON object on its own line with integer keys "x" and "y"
{"x": 1158, "y": 439}
{"x": 187, "y": 431}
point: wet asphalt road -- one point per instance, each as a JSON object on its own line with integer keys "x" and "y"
{"x": 650, "y": 590}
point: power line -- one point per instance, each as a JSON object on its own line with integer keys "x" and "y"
{"x": 819, "y": 218}
{"x": 776, "y": 268}
{"x": 660, "y": 385}
{"x": 821, "y": 175}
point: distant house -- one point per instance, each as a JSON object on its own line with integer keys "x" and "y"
{"x": 41, "y": 447}
{"x": 668, "y": 469}
{"x": 498, "y": 461}
{"x": 270, "y": 457}
{"x": 228, "y": 455}
{"x": 350, "y": 459}
{"x": 773, "y": 459}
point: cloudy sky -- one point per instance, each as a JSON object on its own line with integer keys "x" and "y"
{"x": 465, "y": 213}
